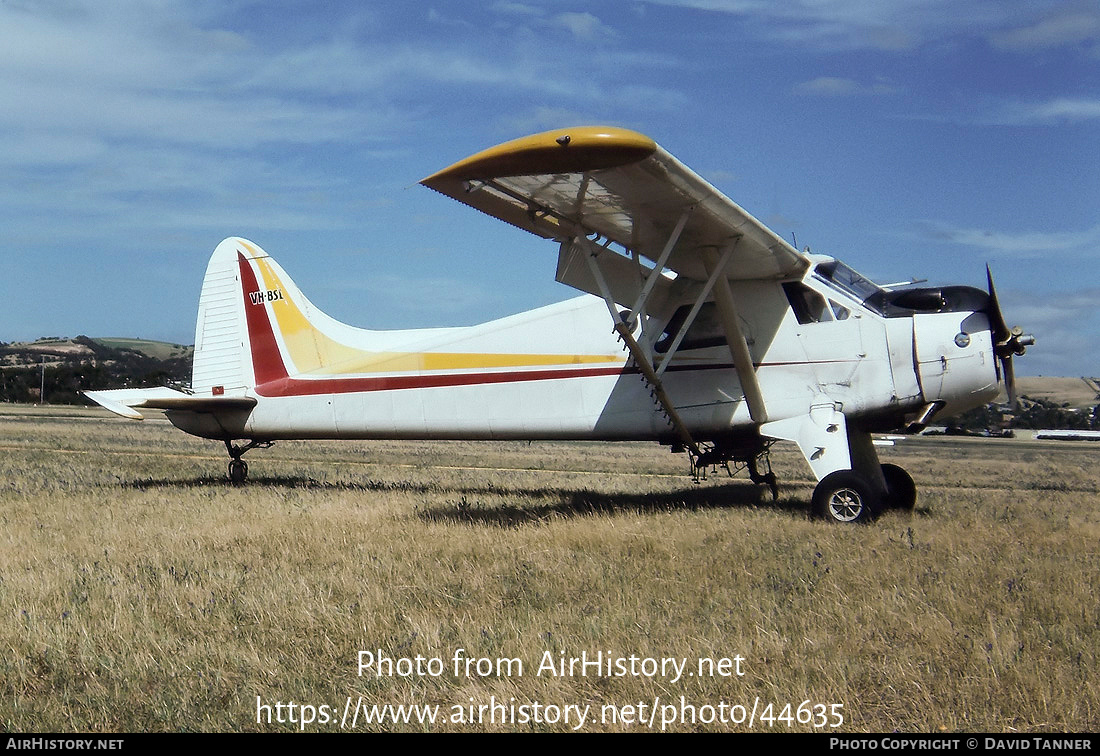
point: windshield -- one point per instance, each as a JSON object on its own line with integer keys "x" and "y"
{"x": 848, "y": 280}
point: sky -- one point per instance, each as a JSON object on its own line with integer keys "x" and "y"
{"x": 909, "y": 138}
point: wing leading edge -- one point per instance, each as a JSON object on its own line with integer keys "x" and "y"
{"x": 624, "y": 187}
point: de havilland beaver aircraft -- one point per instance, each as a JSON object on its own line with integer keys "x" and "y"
{"x": 699, "y": 328}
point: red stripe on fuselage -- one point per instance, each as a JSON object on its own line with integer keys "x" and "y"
{"x": 267, "y": 362}
{"x": 287, "y": 386}
{"x": 298, "y": 387}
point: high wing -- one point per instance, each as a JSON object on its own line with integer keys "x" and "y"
{"x": 591, "y": 187}
{"x": 623, "y": 186}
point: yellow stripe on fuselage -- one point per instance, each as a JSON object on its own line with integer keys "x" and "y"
{"x": 313, "y": 352}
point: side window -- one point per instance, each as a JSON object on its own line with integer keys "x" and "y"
{"x": 706, "y": 331}
{"x": 808, "y": 305}
{"x": 840, "y": 312}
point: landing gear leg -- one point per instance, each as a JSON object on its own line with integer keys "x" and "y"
{"x": 769, "y": 477}
{"x": 238, "y": 468}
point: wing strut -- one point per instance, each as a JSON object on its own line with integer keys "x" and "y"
{"x": 655, "y": 272}
{"x": 735, "y": 338}
{"x": 641, "y": 359}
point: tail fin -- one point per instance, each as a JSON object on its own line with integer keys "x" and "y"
{"x": 255, "y": 326}
{"x": 222, "y": 363}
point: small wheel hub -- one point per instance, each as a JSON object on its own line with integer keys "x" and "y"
{"x": 845, "y": 505}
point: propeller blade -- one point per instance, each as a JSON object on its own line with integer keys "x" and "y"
{"x": 1010, "y": 381}
{"x": 997, "y": 324}
{"x": 1006, "y": 341}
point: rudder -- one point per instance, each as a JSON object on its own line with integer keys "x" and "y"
{"x": 221, "y": 363}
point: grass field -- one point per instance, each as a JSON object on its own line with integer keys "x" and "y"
{"x": 142, "y": 592}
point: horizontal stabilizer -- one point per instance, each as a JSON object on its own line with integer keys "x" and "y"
{"x": 126, "y": 402}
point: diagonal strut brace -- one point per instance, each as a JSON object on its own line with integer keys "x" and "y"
{"x": 735, "y": 340}
{"x": 625, "y": 331}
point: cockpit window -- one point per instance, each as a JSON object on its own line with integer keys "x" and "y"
{"x": 847, "y": 280}
{"x": 808, "y": 305}
{"x": 840, "y": 312}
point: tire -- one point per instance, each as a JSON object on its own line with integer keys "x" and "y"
{"x": 845, "y": 496}
{"x": 901, "y": 491}
{"x": 238, "y": 471}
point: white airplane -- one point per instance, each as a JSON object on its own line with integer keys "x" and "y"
{"x": 699, "y": 328}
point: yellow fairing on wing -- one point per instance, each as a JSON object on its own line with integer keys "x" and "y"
{"x": 519, "y": 180}
{"x": 313, "y": 352}
{"x": 575, "y": 150}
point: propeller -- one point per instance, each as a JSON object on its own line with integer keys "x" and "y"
{"x": 1006, "y": 341}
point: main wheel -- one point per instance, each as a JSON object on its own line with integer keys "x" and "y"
{"x": 901, "y": 491}
{"x": 845, "y": 496}
{"x": 238, "y": 471}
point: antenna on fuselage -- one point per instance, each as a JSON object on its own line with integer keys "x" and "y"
{"x": 896, "y": 284}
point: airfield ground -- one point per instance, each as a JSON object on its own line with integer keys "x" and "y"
{"x": 143, "y": 592}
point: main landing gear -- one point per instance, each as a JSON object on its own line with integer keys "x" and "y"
{"x": 768, "y": 478}
{"x": 849, "y": 496}
{"x": 238, "y": 468}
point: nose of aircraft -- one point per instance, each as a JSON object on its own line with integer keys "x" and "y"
{"x": 1006, "y": 341}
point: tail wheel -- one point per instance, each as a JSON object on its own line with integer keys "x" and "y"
{"x": 845, "y": 496}
{"x": 901, "y": 491}
{"x": 238, "y": 471}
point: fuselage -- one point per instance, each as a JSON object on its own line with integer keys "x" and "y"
{"x": 561, "y": 372}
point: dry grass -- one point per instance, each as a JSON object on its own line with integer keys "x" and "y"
{"x": 141, "y": 591}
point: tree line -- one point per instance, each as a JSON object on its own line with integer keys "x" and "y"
{"x": 65, "y": 376}
{"x": 1034, "y": 414}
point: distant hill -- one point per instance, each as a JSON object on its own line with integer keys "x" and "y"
{"x": 158, "y": 350}
{"x": 50, "y": 349}
{"x": 65, "y": 367}
{"x": 60, "y": 348}
{"x": 1079, "y": 393}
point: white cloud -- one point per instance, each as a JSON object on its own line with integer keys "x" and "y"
{"x": 1074, "y": 25}
{"x": 1021, "y": 244}
{"x": 1062, "y": 109}
{"x": 518, "y": 9}
{"x": 99, "y": 78}
{"x": 583, "y": 26}
{"x": 839, "y": 24}
{"x": 988, "y": 111}
{"x": 832, "y": 86}
{"x": 1064, "y": 326}
{"x": 901, "y": 25}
